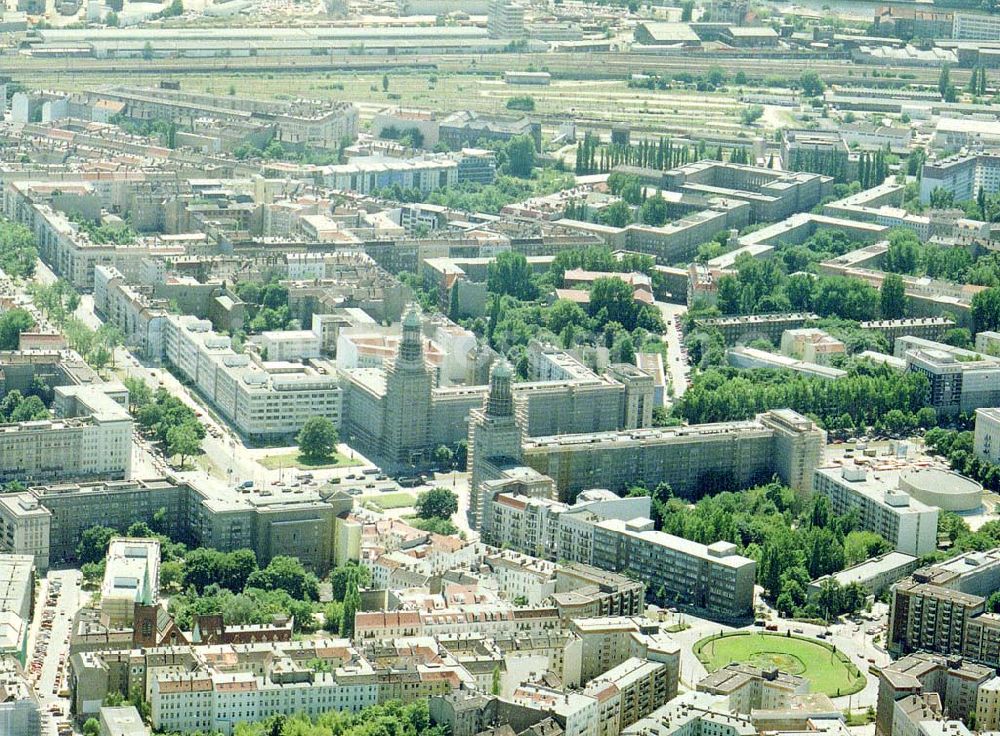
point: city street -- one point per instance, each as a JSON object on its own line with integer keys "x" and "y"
{"x": 676, "y": 367}
{"x": 59, "y": 598}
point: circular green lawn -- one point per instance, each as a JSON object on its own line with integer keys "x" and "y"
{"x": 828, "y": 671}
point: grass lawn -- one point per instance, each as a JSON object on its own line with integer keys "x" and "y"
{"x": 828, "y": 671}
{"x": 295, "y": 460}
{"x": 391, "y": 500}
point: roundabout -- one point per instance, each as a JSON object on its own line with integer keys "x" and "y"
{"x": 828, "y": 671}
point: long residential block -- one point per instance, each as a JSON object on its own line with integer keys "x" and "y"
{"x": 691, "y": 459}
{"x": 261, "y": 399}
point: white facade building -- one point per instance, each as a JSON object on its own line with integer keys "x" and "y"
{"x": 987, "y": 442}
{"x": 92, "y": 439}
{"x": 217, "y": 702}
{"x": 909, "y": 525}
{"x": 131, "y": 575}
{"x": 261, "y": 399}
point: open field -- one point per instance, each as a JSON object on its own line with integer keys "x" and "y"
{"x": 827, "y": 670}
{"x": 295, "y": 460}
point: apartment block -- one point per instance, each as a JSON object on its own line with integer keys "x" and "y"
{"x": 369, "y": 174}
{"x": 24, "y": 528}
{"x": 975, "y": 27}
{"x": 261, "y": 399}
{"x": 988, "y": 342}
{"x": 694, "y": 714}
{"x": 17, "y": 594}
{"x": 467, "y": 128}
{"x": 988, "y": 705}
{"x": 960, "y": 380}
{"x": 987, "y": 437}
{"x": 139, "y": 317}
{"x": 583, "y": 591}
{"x": 20, "y": 710}
{"x": 770, "y": 327}
{"x": 122, "y": 721}
{"x": 883, "y": 505}
{"x": 505, "y": 19}
{"x": 512, "y": 654}
{"x": 444, "y": 415}
{"x": 962, "y": 175}
{"x": 522, "y": 577}
{"x": 773, "y": 195}
{"x": 941, "y": 609}
{"x": 747, "y": 357}
{"x": 928, "y": 328}
{"x": 47, "y": 521}
{"x": 875, "y": 575}
{"x": 488, "y": 619}
{"x": 607, "y": 641}
{"x": 519, "y": 519}
{"x": 216, "y": 702}
{"x": 578, "y": 714}
{"x": 688, "y": 458}
{"x": 710, "y": 578}
{"x": 811, "y": 345}
{"x": 751, "y": 688}
{"x": 63, "y": 245}
{"x": 956, "y": 684}
{"x": 92, "y": 438}
{"x": 295, "y": 124}
{"x": 628, "y": 692}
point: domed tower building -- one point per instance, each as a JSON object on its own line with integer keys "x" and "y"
{"x": 494, "y": 437}
{"x": 408, "y": 383}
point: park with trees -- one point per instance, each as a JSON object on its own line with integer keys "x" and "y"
{"x": 522, "y": 307}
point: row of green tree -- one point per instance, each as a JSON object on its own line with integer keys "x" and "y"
{"x": 613, "y": 319}
{"x": 12, "y": 323}
{"x": 166, "y": 419}
{"x": 206, "y": 581}
{"x": 520, "y": 308}
{"x": 873, "y": 168}
{"x": 864, "y": 397}
{"x": 18, "y": 254}
{"x": 59, "y": 301}
{"x": 762, "y": 286}
{"x": 794, "y": 540}
{"x": 477, "y": 197}
{"x": 409, "y": 137}
{"x": 595, "y": 157}
{"x": 165, "y": 131}
{"x": 387, "y": 719}
{"x": 105, "y": 233}
{"x": 599, "y": 258}
{"x": 908, "y": 255}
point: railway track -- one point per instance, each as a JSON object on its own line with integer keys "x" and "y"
{"x": 595, "y": 65}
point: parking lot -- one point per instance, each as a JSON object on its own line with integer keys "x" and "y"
{"x": 59, "y": 598}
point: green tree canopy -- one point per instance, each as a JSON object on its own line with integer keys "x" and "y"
{"x": 287, "y": 574}
{"x": 317, "y": 439}
{"x": 12, "y": 323}
{"x": 510, "y": 274}
{"x": 436, "y": 503}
